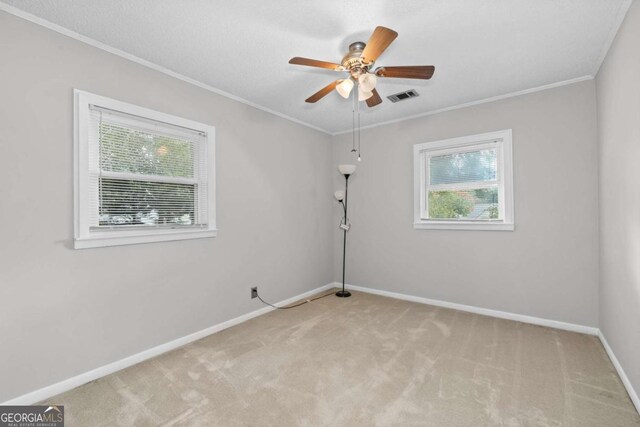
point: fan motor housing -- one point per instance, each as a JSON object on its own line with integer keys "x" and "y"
{"x": 352, "y": 61}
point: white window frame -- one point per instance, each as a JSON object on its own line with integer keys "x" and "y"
{"x": 502, "y": 141}
{"x": 84, "y": 237}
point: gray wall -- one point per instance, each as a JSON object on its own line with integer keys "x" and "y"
{"x": 547, "y": 267}
{"x": 65, "y": 311}
{"x": 618, "y": 84}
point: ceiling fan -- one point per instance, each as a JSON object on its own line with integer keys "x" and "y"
{"x": 358, "y": 63}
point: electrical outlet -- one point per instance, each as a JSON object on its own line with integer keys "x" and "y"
{"x": 254, "y": 292}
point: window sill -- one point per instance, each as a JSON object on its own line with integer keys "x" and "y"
{"x": 459, "y": 225}
{"x": 102, "y": 239}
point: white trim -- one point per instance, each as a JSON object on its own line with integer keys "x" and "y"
{"x": 590, "y": 330}
{"x": 501, "y": 141}
{"x": 623, "y": 376}
{"x": 78, "y": 380}
{"x": 463, "y": 225}
{"x": 116, "y": 238}
{"x": 144, "y": 177}
{"x": 509, "y": 189}
{"x": 474, "y": 103}
{"x": 465, "y": 142}
{"x": 84, "y": 236}
{"x": 89, "y": 99}
{"x": 622, "y": 12}
{"x": 87, "y": 40}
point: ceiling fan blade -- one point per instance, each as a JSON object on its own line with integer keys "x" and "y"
{"x": 322, "y": 92}
{"x": 315, "y": 63}
{"x": 375, "y": 99}
{"x": 378, "y": 42}
{"x": 408, "y": 72}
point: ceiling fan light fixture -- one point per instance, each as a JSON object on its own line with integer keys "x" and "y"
{"x": 358, "y": 62}
{"x": 363, "y": 95}
{"x": 344, "y": 88}
{"x": 367, "y": 82}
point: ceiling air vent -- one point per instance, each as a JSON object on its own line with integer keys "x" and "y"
{"x": 403, "y": 95}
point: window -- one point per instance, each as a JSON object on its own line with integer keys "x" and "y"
{"x": 464, "y": 183}
{"x": 140, "y": 175}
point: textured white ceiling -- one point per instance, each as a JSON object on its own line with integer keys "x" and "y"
{"x": 481, "y": 49}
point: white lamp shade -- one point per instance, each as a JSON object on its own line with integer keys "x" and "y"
{"x": 344, "y": 87}
{"x": 363, "y": 95}
{"x": 347, "y": 169}
{"x": 339, "y": 195}
{"x": 367, "y": 82}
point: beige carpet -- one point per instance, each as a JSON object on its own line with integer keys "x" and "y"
{"x": 362, "y": 361}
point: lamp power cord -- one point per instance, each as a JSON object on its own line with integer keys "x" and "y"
{"x": 295, "y": 305}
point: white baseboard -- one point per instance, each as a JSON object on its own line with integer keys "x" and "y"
{"x": 590, "y": 330}
{"x": 623, "y": 376}
{"x": 78, "y": 380}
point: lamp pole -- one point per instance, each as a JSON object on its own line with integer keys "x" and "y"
{"x": 343, "y": 293}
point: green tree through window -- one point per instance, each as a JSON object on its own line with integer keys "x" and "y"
{"x": 470, "y": 204}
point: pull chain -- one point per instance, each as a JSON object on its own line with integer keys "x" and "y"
{"x": 359, "y": 152}
{"x": 353, "y": 121}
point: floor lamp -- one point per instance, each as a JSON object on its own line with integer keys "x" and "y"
{"x": 342, "y": 196}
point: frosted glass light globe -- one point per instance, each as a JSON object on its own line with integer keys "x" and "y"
{"x": 363, "y": 95}
{"x": 344, "y": 87}
{"x": 347, "y": 169}
{"x": 367, "y": 82}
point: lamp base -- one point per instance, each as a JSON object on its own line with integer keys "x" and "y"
{"x": 343, "y": 294}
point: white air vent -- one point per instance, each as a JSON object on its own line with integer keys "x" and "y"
{"x": 403, "y": 95}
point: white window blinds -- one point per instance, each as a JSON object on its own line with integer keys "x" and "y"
{"x": 145, "y": 173}
{"x": 464, "y": 183}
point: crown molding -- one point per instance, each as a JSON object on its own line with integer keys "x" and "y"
{"x": 478, "y": 102}
{"x": 622, "y": 12}
{"x": 97, "y": 44}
